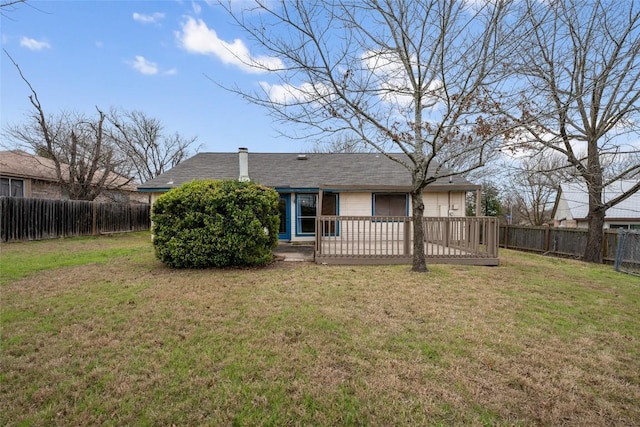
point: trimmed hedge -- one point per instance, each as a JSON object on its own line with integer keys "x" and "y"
{"x": 216, "y": 224}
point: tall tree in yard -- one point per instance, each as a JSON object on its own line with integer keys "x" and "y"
{"x": 532, "y": 187}
{"x": 85, "y": 161}
{"x": 146, "y": 149}
{"x": 401, "y": 76}
{"x": 93, "y": 154}
{"x": 579, "y": 70}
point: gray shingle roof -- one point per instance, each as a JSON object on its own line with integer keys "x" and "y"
{"x": 317, "y": 170}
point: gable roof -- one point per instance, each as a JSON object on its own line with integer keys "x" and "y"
{"x": 20, "y": 164}
{"x": 340, "y": 171}
{"x": 576, "y": 197}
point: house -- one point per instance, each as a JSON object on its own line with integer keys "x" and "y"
{"x": 313, "y": 185}
{"x": 28, "y": 175}
{"x": 572, "y": 206}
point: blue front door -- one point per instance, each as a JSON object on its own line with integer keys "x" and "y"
{"x": 284, "y": 207}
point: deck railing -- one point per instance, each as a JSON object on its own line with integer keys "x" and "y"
{"x": 372, "y": 240}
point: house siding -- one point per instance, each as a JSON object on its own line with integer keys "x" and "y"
{"x": 436, "y": 204}
{"x": 45, "y": 190}
{"x": 39, "y": 189}
{"x": 355, "y": 204}
{"x": 361, "y": 204}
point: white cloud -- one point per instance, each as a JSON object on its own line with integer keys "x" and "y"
{"x": 33, "y": 44}
{"x": 171, "y": 72}
{"x": 148, "y": 19}
{"x": 196, "y": 8}
{"x": 393, "y": 83}
{"x": 196, "y": 37}
{"x": 287, "y": 94}
{"x": 144, "y": 66}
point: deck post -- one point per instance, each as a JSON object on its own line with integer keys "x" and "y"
{"x": 318, "y": 241}
{"x": 407, "y": 236}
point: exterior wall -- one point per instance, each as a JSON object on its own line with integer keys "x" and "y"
{"x": 633, "y": 224}
{"x": 444, "y": 204}
{"x": 153, "y": 197}
{"x": 355, "y": 204}
{"x": 435, "y": 204}
{"x": 361, "y": 204}
{"x": 121, "y": 196}
{"x": 50, "y": 190}
{"x": 626, "y": 224}
{"x": 563, "y": 217}
{"x": 45, "y": 190}
{"x": 569, "y": 223}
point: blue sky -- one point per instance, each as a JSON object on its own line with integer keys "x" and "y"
{"x": 153, "y": 56}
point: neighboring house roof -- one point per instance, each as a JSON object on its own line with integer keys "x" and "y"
{"x": 340, "y": 171}
{"x": 20, "y": 164}
{"x": 575, "y": 200}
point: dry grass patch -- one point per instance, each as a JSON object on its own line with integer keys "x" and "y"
{"x": 536, "y": 341}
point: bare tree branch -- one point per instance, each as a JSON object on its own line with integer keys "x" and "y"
{"x": 409, "y": 77}
{"x": 83, "y": 160}
{"x": 579, "y": 93}
{"x": 147, "y": 151}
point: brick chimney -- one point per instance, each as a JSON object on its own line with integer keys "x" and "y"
{"x": 243, "y": 159}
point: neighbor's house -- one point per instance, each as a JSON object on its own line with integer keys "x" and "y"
{"x": 572, "y": 206}
{"x": 326, "y": 184}
{"x": 27, "y": 175}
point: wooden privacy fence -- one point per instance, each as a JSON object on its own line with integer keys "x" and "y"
{"x": 389, "y": 240}
{"x": 555, "y": 240}
{"x": 39, "y": 219}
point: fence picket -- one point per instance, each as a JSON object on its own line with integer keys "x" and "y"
{"x": 555, "y": 240}
{"x": 37, "y": 219}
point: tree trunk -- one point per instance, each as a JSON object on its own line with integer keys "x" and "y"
{"x": 597, "y": 212}
{"x": 419, "y": 258}
{"x": 595, "y": 237}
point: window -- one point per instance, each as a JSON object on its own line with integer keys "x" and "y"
{"x": 619, "y": 226}
{"x": 390, "y": 205}
{"x": 306, "y": 206}
{"x": 307, "y": 211}
{"x": 329, "y": 204}
{"x": 329, "y": 208}
{"x": 11, "y": 187}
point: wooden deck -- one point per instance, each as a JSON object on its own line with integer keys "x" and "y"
{"x": 388, "y": 240}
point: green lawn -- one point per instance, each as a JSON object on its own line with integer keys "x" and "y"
{"x": 95, "y": 331}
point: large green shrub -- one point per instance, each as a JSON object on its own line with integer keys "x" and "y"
{"x": 216, "y": 224}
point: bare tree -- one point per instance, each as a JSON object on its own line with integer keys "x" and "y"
{"x": 579, "y": 70}
{"x": 341, "y": 144}
{"x": 403, "y": 77}
{"x": 146, "y": 150}
{"x": 82, "y": 155}
{"x": 532, "y": 187}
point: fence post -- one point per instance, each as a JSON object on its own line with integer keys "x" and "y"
{"x": 506, "y": 235}
{"x": 94, "y": 219}
{"x": 605, "y": 244}
{"x": 547, "y": 233}
{"x": 618, "y": 258}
